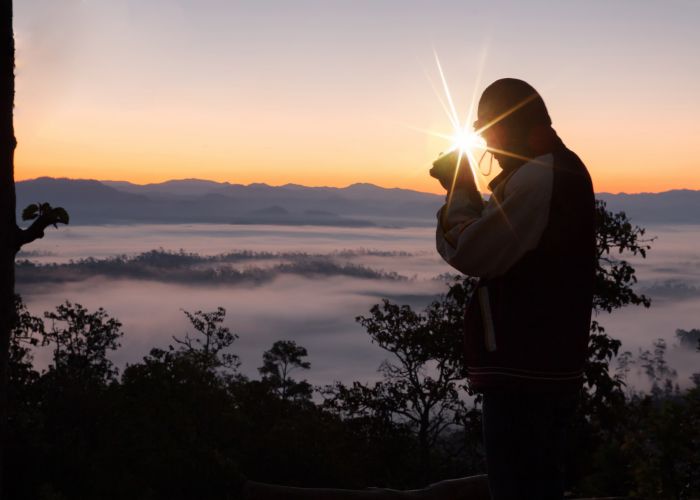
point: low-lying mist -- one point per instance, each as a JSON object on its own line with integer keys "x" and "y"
{"x": 307, "y": 284}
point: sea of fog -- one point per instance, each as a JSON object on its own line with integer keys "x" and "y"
{"x": 309, "y": 284}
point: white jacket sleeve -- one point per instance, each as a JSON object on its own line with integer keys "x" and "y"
{"x": 488, "y": 242}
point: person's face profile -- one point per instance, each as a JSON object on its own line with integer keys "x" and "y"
{"x": 493, "y": 134}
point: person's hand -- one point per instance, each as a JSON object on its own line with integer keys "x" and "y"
{"x": 444, "y": 171}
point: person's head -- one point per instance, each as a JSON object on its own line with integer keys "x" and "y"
{"x": 512, "y": 117}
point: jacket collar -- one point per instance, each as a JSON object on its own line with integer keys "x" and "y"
{"x": 509, "y": 165}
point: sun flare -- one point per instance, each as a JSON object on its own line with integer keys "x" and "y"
{"x": 469, "y": 143}
{"x": 462, "y": 138}
{"x": 465, "y": 140}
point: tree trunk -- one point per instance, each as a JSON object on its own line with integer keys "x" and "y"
{"x": 8, "y": 224}
{"x": 424, "y": 450}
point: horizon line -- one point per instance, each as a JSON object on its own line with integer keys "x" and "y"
{"x": 358, "y": 183}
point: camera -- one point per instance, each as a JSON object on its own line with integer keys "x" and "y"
{"x": 444, "y": 167}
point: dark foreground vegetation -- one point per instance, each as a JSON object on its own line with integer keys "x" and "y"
{"x": 184, "y": 423}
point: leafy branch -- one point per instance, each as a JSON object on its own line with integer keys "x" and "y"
{"x": 43, "y": 215}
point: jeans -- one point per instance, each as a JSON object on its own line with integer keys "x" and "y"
{"x": 525, "y": 438}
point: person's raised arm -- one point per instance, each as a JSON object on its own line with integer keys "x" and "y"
{"x": 488, "y": 242}
{"x": 462, "y": 194}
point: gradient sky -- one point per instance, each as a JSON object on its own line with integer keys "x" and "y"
{"x": 330, "y": 92}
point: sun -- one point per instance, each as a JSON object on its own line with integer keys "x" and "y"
{"x": 465, "y": 141}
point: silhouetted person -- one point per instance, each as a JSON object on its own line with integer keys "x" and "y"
{"x": 533, "y": 247}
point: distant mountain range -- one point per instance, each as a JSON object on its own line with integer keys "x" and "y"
{"x": 201, "y": 201}
{"x": 679, "y": 206}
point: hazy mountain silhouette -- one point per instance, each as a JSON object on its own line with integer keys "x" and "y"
{"x": 195, "y": 200}
{"x": 679, "y": 206}
{"x": 192, "y": 200}
{"x": 184, "y": 187}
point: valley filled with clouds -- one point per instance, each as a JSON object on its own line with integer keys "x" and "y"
{"x": 307, "y": 283}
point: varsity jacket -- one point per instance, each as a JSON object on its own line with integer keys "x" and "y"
{"x": 533, "y": 247}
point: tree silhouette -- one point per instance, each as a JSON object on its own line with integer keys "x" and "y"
{"x": 211, "y": 341}
{"x": 7, "y": 207}
{"x": 26, "y": 333}
{"x": 80, "y": 341}
{"x": 423, "y": 383}
{"x": 616, "y": 238}
{"x": 690, "y": 339}
{"x": 12, "y": 238}
{"x": 600, "y": 418}
{"x": 658, "y": 371}
{"x": 279, "y": 361}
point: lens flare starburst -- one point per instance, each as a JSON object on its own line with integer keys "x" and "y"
{"x": 461, "y": 138}
{"x": 465, "y": 141}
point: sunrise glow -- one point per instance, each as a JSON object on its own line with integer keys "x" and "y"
{"x": 247, "y": 94}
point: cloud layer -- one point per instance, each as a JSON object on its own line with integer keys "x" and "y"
{"x": 316, "y": 281}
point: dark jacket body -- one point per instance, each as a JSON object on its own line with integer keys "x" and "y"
{"x": 529, "y": 327}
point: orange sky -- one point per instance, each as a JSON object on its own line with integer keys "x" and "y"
{"x": 328, "y": 94}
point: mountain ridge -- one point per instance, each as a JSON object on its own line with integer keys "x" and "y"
{"x": 192, "y": 200}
